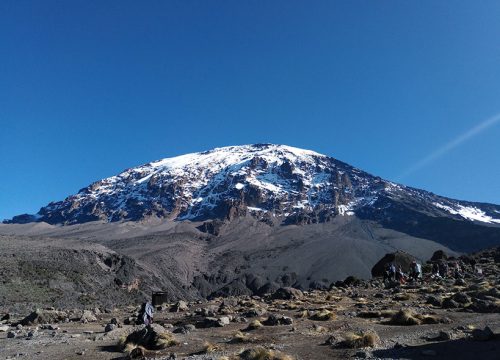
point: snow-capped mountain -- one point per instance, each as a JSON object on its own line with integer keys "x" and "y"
{"x": 274, "y": 183}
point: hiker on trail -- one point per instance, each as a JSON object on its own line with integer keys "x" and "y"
{"x": 435, "y": 271}
{"x": 146, "y": 314}
{"x": 457, "y": 271}
{"x": 390, "y": 272}
{"x": 415, "y": 271}
{"x": 400, "y": 276}
{"x": 443, "y": 269}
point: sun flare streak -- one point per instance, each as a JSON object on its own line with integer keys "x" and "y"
{"x": 476, "y": 130}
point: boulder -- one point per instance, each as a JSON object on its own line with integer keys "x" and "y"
{"x": 40, "y": 316}
{"x": 88, "y": 316}
{"x": 483, "y": 334}
{"x": 110, "y": 327}
{"x": 274, "y": 320}
{"x": 180, "y": 306}
{"x": 449, "y": 303}
{"x": 439, "y": 255}
{"x": 287, "y": 293}
{"x": 461, "y": 298}
{"x": 434, "y": 300}
{"x": 209, "y": 322}
{"x": 399, "y": 258}
{"x": 151, "y": 337}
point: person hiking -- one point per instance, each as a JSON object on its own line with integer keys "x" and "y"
{"x": 146, "y": 314}
{"x": 388, "y": 273}
{"x": 415, "y": 271}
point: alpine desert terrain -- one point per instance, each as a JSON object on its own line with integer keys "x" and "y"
{"x": 262, "y": 252}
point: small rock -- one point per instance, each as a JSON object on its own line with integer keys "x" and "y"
{"x": 180, "y": 306}
{"x": 449, "y": 303}
{"x": 434, "y": 300}
{"x": 461, "y": 298}
{"x": 287, "y": 293}
{"x": 274, "y": 320}
{"x": 110, "y": 327}
{"x": 4, "y": 328}
{"x": 87, "y": 316}
{"x": 11, "y": 335}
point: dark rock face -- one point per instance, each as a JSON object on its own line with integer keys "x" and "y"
{"x": 399, "y": 258}
{"x": 439, "y": 255}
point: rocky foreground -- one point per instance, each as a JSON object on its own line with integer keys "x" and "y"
{"x": 435, "y": 318}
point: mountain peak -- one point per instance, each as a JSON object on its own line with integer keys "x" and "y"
{"x": 277, "y": 184}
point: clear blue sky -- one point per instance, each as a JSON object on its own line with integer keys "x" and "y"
{"x": 89, "y": 88}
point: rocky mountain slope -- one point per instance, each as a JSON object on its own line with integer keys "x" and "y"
{"x": 275, "y": 183}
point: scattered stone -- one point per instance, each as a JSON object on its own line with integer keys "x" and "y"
{"x": 151, "y": 337}
{"x": 274, "y": 320}
{"x": 11, "y": 335}
{"x": 88, "y": 316}
{"x": 461, "y": 298}
{"x": 449, "y": 303}
{"x": 287, "y": 293}
{"x": 180, "y": 306}
{"x": 483, "y": 335}
{"x": 209, "y": 322}
{"x": 110, "y": 327}
{"x": 185, "y": 329}
{"x": 4, "y": 328}
{"x": 434, "y": 300}
{"x": 44, "y": 317}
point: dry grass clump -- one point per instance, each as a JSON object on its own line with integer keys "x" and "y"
{"x": 208, "y": 348}
{"x": 254, "y": 325}
{"x": 359, "y": 340}
{"x": 303, "y": 314}
{"x": 260, "y": 353}
{"x": 323, "y": 315}
{"x": 408, "y": 317}
{"x": 239, "y": 338}
{"x": 402, "y": 297}
{"x": 164, "y": 340}
{"x": 137, "y": 353}
{"x": 149, "y": 338}
{"x": 404, "y": 317}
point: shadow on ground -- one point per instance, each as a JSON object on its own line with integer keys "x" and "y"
{"x": 461, "y": 349}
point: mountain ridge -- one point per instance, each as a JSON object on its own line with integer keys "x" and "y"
{"x": 277, "y": 184}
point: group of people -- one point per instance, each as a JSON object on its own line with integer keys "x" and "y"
{"x": 441, "y": 269}
{"x": 393, "y": 273}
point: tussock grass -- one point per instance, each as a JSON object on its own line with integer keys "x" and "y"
{"x": 209, "y": 347}
{"x": 239, "y": 338}
{"x": 359, "y": 340}
{"x": 165, "y": 340}
{"x": 402, "y": 297}
{"x": 254, "y": 325}
{"x": 404, "y": 317}
{"x": 147, "y": 338}
{"x": 303, "y": 314}
{"x": 260, "y": 353}
{"x": 407, "y": 317}
{"x": 323, "y": 315}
